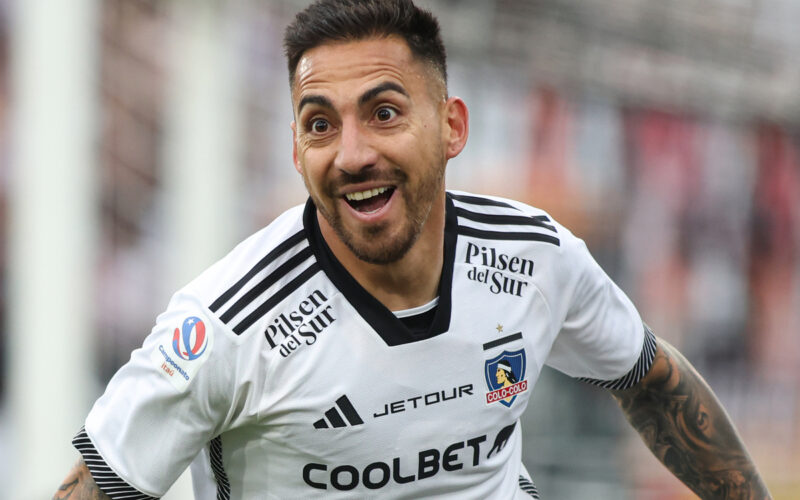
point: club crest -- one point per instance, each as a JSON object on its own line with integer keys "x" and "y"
{"x": 505, "y": 377}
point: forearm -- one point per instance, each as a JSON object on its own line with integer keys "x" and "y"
{"x": 79, "y": 485}
{"x": 684, "y": 425}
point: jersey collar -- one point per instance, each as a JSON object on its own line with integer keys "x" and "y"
{"x": 381, "y": 319}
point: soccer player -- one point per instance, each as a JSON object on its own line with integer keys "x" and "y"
{"x": 255, "y": 374}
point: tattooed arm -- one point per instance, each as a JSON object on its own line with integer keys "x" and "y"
{"x": 686, "y": 428}
{"x": 79, "y": 485}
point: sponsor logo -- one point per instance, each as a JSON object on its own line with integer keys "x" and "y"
{"x": 190, "y": 341}
{"x": 378, "y": 474}
{"x": 424, "y": 400}
{"x": 505, "y": 377}
{"x": 425, "y": 464}
{"x": 500, "y": 272}
{"x": 301, "y": 326}
{"x": 501, "y": 440}
{"x": 334, "y": 417}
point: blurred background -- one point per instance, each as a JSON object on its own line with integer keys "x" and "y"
{"x": 140, "y": 140}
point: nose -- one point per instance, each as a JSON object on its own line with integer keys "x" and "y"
{"x": 355, "y": 152}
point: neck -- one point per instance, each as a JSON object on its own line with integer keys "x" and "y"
{"x": 409, "y": 282}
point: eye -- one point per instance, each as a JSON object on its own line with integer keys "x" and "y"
{"x": 319, "y": 126}
{"x": 385, "y": 114}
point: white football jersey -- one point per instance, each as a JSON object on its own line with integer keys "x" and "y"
{"x": 276, "y": 375}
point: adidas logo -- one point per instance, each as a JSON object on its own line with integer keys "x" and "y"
{"x": 335, "y": 418}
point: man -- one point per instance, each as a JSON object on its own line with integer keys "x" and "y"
{"x": 505, "y": 377}
{"x": 255, "y": 373}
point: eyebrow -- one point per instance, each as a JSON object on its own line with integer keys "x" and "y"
{"x": 314, "y": 99}
{"x": 379, "y": 89}
{"x": 363, "y": 99}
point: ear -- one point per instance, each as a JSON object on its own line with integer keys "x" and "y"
{"x": 456, "y": 129}
{"x": 294, "y": 148}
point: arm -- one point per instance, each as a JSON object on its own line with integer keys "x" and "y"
{"x": 686, "y": 428}
{"x": 79, "y": 485}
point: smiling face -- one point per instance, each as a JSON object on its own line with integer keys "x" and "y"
{"x": 372, "y": 136}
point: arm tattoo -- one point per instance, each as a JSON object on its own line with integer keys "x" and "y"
{"x": 67, "y": 489}
{"x": 79, "y": 485}
{"x": 686, "y": 428}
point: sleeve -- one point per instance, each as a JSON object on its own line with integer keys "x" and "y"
{"x": 602, "y": 338}
{"x": 162, "y": 407}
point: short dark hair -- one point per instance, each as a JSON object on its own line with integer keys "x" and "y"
{"x": 348, "y": 20}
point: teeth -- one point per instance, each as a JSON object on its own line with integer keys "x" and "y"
{"x": 363, "y": 195}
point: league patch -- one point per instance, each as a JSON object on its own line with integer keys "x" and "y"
{"x": 505, "y": 377}
{"x": 190, "y": 341}
{"x": 180, "y": 359}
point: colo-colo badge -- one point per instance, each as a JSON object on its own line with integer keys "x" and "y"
{"x": 505, "y": 377}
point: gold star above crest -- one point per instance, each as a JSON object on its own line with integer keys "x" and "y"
{"x": 499, "y": 328}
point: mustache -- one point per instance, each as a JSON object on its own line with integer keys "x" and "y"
{"x": 344, "y": 179}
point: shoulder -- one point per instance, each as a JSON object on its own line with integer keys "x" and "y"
{"x": 491, "y": 203}
{"x": 263, "y": 261}
{"x": 493, "y": 225}
{"x": 229, "y": 294}
{"x": 205, "y": 322}
{"x": 497, "y": 218}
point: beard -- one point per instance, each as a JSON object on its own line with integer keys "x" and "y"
{"x": 384, "y": 243}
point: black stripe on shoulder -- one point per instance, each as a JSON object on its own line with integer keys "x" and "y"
{"x": 275, "y": 299}
{"x": 218, "y": 468}
{"x": 638, "y": 371}
{"x": 265, "y": 283}
{"x": 507, "y": 235}
{"x": 264, "y": 262}
{"x": 522, "y": 220}
{"x": 528, "y": 487}
{"x": 107, "y": 480}
{"x": 479, "y": 200}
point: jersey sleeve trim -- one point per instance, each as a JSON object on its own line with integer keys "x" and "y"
{"x": 107, "y": 480}
{"x": 527, "y": 486}
{"x": 279, "y": 250}
{"x": 638, "y": 371}
{"x": 217, "y": 467}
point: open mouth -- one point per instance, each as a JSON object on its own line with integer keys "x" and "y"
{"x": 370, "y": 200}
